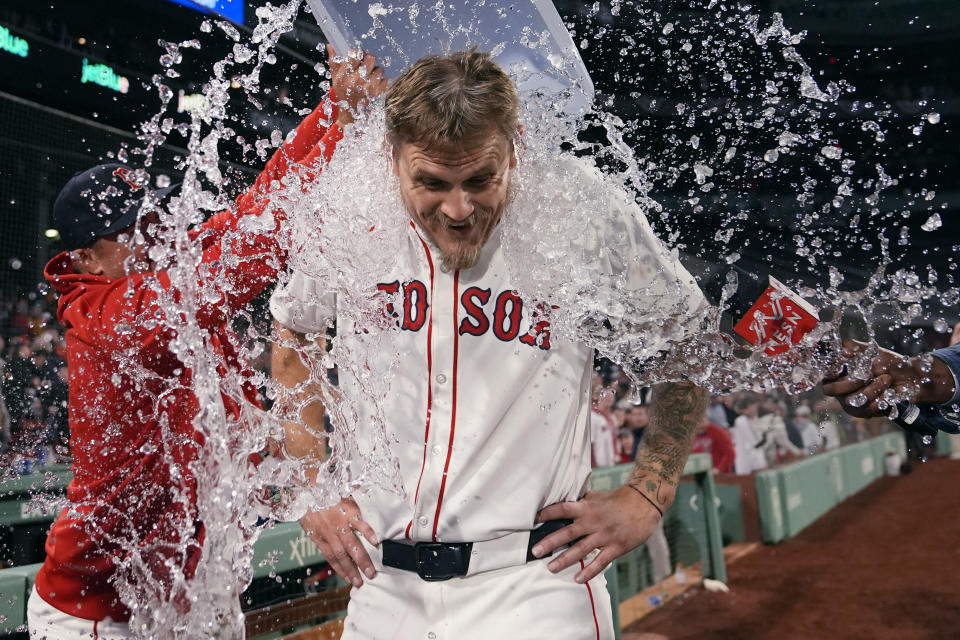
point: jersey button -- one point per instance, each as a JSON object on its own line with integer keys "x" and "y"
{"x": 423, "y": 521}
{"x": 431, "y": 635}
{"x": 441, "y": 378}
{"x": 437, "y": 450}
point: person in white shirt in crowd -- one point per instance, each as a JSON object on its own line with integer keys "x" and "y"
{"x": 747, "y": 434}
{"x": 603, "y": 431}
{"x": 824, "y": 414}
{"x": 808, "y": 429}
{"x": 776, "y": 443}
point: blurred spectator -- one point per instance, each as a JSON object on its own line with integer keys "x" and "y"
{"x": 20, "y": 324}
{"x": 717, "y": 442}
{"x": 637, "y": 419}
{"x": 619, "y": 415}
{"x": 828, "y": 413}
{"x": 793, "y": 433}
{"x": 603, "y": 432}
{"x": 747, "y": 436}
{"x": 809, "y": 432}
{"x": 20, "y": 383}
{"x": 774, "y": 440}
{"x": 717, "y": 411}
{"x": 33, "y": 396}
{"x": 4, "y": 322}
{"x": 56, "y": 427}
{"x": 626, "y": 445}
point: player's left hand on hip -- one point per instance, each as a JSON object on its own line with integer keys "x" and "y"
{"x": 613, "y": 522}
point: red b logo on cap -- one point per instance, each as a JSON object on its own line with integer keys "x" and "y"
{"x": 124, "y": 174}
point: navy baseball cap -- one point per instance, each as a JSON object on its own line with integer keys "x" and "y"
{"x": 101, "y": 201}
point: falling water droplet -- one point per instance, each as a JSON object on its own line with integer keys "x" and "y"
{"x": 933, "y": 222}
{"x": 857, "y": 400}
{"x": 831, "y": 151}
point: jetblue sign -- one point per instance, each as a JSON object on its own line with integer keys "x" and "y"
{"x": 104, "y": 76}
{"x": 12, "y": 44}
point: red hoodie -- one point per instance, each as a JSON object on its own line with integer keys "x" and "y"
{"x": 132, "y": 487}
{"x": 717, "y": 442}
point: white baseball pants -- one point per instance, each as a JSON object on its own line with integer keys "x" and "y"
{"x": 515, "y": 603}
{"x": 46, "y": 622}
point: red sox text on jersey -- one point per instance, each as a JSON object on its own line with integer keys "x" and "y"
{"x": 504, "y": 317}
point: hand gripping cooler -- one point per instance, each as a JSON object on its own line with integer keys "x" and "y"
{"x": 526, "y": 37}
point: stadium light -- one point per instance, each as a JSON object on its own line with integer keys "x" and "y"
{"x": 53, "y": 234}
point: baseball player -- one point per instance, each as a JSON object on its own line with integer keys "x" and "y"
{"x": 488, "y": 415}
{"x": 128, "y": 389}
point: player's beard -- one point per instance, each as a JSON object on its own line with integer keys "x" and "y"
{"x": 464, "y": 254}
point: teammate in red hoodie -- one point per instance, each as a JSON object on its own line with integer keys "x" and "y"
{"x": 132, "y": 489}
{"x": 717, "y": 442}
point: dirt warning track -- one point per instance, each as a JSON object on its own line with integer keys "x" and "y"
{"x": 884, "y": 565}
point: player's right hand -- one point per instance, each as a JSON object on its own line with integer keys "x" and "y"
{"x": 334, "y": 531}
{"x": 355, "y": 80}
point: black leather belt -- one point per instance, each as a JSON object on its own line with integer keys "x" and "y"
{"x": 436, "y": 561}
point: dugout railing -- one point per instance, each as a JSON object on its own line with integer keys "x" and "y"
{"x": 692, "y": 526}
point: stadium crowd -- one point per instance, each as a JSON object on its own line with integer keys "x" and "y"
{"x": 743, "y": 431}
{"x": 33, "y": 382}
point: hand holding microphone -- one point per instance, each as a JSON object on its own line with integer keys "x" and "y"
{"x": 917, "y": 384}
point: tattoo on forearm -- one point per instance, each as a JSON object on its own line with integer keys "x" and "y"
{"x": 678, "y": 408}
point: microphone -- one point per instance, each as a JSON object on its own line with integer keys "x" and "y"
{"x": 762, "y": 310}
{"x": 926, "y": 420}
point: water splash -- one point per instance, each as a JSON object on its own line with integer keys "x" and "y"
{"x": 749, "y": 113}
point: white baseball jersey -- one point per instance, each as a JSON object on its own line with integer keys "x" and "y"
{"x": 488, "y": 415}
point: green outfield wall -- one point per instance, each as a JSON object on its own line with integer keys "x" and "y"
{"x": 791, "y": 497}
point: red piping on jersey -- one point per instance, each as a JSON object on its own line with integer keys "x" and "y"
{"x": 593, "y": 607}
{"x": 453, "y": 410}
{"x": 96, "y": 635}
{"x": 426, "y": 433}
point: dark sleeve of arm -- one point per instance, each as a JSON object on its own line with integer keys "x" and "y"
{"x": 951, "y": 357}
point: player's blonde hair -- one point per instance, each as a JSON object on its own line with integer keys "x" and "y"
{"x": 451, "y": 101}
